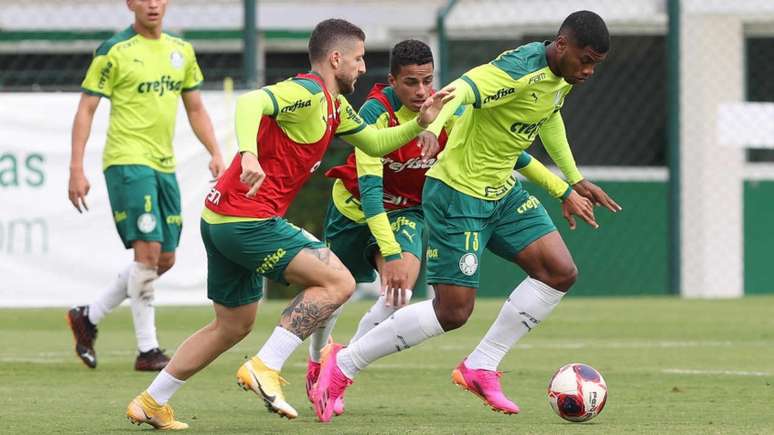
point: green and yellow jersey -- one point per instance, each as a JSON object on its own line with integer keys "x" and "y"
{"x": 289, "y": 126}
{"x": 514, "y": 98}
{"x": 143, "y": 78}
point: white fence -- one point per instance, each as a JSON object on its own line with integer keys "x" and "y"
{"x": 52, "y": 256}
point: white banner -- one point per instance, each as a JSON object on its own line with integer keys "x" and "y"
{"x": 50, "y": 255}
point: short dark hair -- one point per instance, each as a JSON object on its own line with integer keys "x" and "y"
{"x": 587, "y": 29}
{"x": 409, "y": 52}
{"x": 327, "y": 34}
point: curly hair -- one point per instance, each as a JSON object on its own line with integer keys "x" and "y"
{"x": 586, "y": 29}
{"x": 409, "y": 52}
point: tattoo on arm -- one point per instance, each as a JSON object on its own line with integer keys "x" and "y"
{"x": 304, "y": 315}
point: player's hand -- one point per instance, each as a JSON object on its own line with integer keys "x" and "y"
{"x": 433, "y": 105}
{"x": 576, "y": 205}
{"x": 596, "y": 195}
{"x": 252, "y": 173}
{"x": 429, "y": 144}
{"x": 395, "y": 283}
{"x": 217, "y": 167}
{"x": 77, "y": 190}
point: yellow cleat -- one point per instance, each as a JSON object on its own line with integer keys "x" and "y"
{"x": 267, "y": 384}
{"x": 143, "y": 409}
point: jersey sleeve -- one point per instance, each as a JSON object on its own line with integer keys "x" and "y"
{"x": 371, "y": 111}
{"x": 370, "y": 177}
{"x": 250, "y": 107}
{"x": 537, "y": 173}
{"x": 372, "y": 141}
{"x": 554, "y": 138}
{"x": 193, "y": 74}
{"x": 101, "y": 76}
{"x": 464, "y": 95}
{"x": 492, "y": 85}
{"x": 351, "y": 122}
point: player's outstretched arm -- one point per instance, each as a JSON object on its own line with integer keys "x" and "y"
{"x": 378, "y": 142}
{"x": 537, "y": 173}
{"x": 554, "y": 138}
{"x": 250, "y": 108}
{"x": 202, "y": 127}
{"x": 78, "y": 186}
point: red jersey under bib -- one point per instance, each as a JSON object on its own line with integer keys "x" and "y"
{"x": 403, "y": 169}
{"x": 287, "y": 164}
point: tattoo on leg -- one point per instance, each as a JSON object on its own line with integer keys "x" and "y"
{"x": 324, "y": 255}
{"x": 303, "y": 316}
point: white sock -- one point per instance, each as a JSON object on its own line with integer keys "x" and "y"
{"x": 376, "y": 315}
{"x": 163, "y": 387}
{"x": 140, "y": 291}
{"x": 319, "y": 337}
{"x": 278, "y": 348}
{"x": 408, "y": 327}
{"x": 110, "y": 297}
{"x": 529, "y": 304}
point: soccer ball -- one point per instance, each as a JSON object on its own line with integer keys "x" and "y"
{"x": 577, "y": 392}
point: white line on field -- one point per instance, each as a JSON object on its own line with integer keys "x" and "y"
{"x": 713, "y": 372}
{"x": 625, "y": 345}
{"x": 59, "y": 356}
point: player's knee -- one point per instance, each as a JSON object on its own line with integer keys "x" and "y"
{"x": 235, "y": 331}
{"x": 453, "y": 317}
{"x": 343, "y": 286}
{"x": 561, "y": 277}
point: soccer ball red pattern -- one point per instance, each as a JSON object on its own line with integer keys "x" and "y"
{"x": 577, "y": 392}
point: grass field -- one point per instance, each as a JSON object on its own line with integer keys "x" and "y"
{"x": 672, "y": 366}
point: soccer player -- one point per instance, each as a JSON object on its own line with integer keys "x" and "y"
{"x": 375, "y": 219}
{"x": 471, "y": 201}
{"x": 143, "y": 72}
{"x": 244, "y": 232}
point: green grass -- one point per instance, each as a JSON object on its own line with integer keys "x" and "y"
{"x": 672, "y": 366}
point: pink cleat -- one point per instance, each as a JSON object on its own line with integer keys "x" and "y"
{"x": 312, "y": 373}
{"x": 486, "y": 385}
{"x": 330, "y": 386}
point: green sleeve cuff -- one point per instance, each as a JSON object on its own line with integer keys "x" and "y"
{"x": 523, "y": 161}
{"x": 275, "y": 105}
{"x": 193, "y": 88}
{"x": 94, "y": 93}
{"x": 393, "y": 257}
{"x": 566, "y": 193}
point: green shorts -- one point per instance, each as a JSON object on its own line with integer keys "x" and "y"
{"x": 356, "y": 247}
{"x": 239, "y": 253}
{"x": 145, "y": 204}
{"x": 461, "y": 226}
